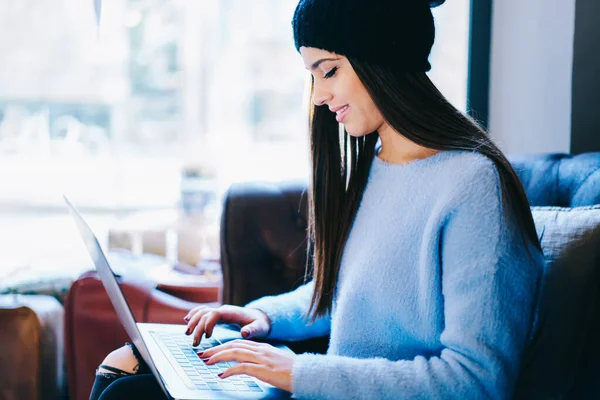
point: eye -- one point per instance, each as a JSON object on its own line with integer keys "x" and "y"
{"x": 331, "y": 73}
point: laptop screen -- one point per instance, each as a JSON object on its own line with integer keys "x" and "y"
{"x": 113, "y": 289}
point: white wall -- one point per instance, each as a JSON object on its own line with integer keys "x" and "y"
{"x": 531, "y": 75}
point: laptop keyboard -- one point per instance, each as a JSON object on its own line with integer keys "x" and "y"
{"x": 184, "y": 358}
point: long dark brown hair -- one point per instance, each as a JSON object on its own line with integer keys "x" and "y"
{"x": 412, "y": 105}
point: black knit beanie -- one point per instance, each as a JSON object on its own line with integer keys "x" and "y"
{"x": 393, "y": 33}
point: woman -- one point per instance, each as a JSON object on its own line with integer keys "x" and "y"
{"x": 426, "y": 261}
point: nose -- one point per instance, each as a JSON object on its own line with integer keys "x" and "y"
{"x": 320, "y": 95}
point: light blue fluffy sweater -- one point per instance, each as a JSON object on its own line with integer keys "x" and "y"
{"x": 436, "y": 297}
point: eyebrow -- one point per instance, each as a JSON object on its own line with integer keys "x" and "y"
{"x": 317, "y": 63}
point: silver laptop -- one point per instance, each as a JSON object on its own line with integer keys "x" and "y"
{"x": 168, "y": 351}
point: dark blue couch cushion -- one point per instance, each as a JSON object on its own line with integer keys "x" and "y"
{"x": 570, "y": 239}
{"x": 566, "y": 358}
{"x": 559, "y": 179}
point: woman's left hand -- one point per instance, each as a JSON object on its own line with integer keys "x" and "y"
{"x": 260, "y": 360}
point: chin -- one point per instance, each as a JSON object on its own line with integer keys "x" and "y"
{"x": 356, "y": 132}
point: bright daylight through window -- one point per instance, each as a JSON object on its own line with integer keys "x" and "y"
{"x": 121, "y": 115}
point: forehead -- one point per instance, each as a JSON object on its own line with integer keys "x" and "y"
{"x": 311, "y": 55}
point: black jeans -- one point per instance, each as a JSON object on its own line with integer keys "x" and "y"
{"x": 139, "y": 386}
{"x": 123, "y": 385}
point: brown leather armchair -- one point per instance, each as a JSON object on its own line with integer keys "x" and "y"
{"x": 92, "y": 329}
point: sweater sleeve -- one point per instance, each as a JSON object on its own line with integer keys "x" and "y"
{"x": 287, "y": 311}
{"x": 489, "y": 288}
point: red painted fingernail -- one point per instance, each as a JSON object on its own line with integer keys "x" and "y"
{"x": 244, "y": 334}
{"x": 220, "y": 375}
{"x": 186, "y": 318}
{"x": 200, "y": 353}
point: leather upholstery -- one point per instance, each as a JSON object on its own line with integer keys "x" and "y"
{"x": 92, "y": 329}
{"x": 560, "y": 179}
{"x": 263, "y": 240}
{"x": 31, "y": 360}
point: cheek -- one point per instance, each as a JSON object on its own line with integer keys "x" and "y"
{"x": 364, "y": 116}
{"x": 375, "y": 117}
{"x": 364, "y": 119}
{"x": 364, "y": 106}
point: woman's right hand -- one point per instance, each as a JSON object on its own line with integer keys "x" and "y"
{"x": 202, "y": 319}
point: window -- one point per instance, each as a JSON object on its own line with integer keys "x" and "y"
{"x": 450, "y": 54}
{"x": 113, "y": 114}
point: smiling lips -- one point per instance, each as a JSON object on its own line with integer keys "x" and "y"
{"x": 340, "y": 112}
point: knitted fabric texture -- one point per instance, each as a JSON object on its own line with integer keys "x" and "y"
{"x": 436, "y": 297}
{"x": 393, "y": 33}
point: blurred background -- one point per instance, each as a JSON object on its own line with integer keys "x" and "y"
{"x": 144, "y": 111}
